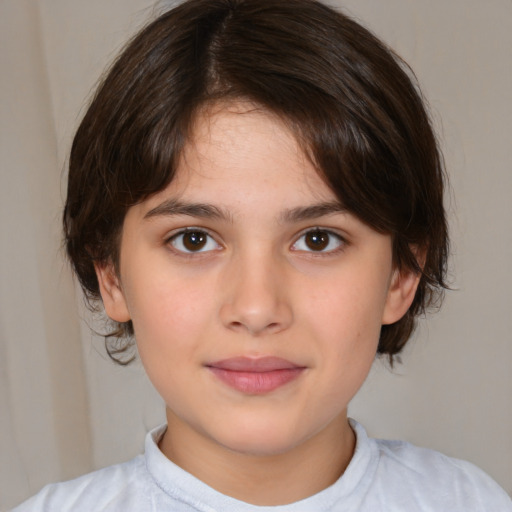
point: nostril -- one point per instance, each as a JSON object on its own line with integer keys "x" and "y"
{"x": 253, "y": 317}
{"x": 254, "y": 329}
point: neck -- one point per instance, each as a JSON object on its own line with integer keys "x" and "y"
{"x": 265, "y": 480}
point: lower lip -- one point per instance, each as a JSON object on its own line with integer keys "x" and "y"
{"x": 256, "y": 383}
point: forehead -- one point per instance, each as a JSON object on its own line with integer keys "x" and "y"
{"x": 243, "y": 154}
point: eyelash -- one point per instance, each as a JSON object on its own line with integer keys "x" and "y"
{"x": 331, "y": 236}
{"x": 174, "y": 240}
{"x": 191, "y": 230}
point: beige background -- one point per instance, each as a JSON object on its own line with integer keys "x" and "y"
{"x": 65, "y": 409}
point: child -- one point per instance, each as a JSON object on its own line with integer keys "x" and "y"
{"x": 256, "y": 195}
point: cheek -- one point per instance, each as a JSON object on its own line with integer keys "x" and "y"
{"x": 168, "y": 313}
{"x": 348, "y": 312}
{"x": 168, "y": 324}
{"x": 349, "y": 331}
{"x": 345, "y": 318}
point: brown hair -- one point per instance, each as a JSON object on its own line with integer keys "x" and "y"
{"x": 350, "y": 101}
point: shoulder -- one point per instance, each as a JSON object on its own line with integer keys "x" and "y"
{"x": 102, "y": 490}
{"x": 421, "y": 475}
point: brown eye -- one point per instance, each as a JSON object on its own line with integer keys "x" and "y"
{"x": 317, "y": 240}
{"x": 193, "y": 241}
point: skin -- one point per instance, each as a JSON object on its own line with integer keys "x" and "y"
{"x": 257, "y": 287}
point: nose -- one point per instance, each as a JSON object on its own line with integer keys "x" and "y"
{"x": 255, "y": 298}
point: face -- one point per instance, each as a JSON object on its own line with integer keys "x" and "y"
{"x": 256, "y": 299}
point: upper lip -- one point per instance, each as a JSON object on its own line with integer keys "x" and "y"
{"x": 254, "y": 364}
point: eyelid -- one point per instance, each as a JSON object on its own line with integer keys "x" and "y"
{"x": 329, "y": 231}
{"x": 191, "y": 229}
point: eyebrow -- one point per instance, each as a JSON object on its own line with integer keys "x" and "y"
{"x": 172, "y": 207}
{"x": 314, "y": 211}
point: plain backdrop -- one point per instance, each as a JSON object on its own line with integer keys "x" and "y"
{"x": 66, "y": 409}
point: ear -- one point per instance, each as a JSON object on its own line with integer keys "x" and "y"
{"x": 112, "y": 293}
{"x": 401, "y": 292}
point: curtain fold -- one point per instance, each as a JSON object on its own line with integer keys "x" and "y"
{"x": 44, "y": 419}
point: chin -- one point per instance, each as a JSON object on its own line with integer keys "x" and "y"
{"x": 264, "y": 440}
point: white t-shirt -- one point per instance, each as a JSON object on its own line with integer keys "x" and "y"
{"x": 390, "y": 476}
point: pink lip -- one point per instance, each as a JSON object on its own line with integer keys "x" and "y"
{"x": 255, "y": 376}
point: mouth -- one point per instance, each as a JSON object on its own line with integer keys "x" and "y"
{"x": 255, "y": 376}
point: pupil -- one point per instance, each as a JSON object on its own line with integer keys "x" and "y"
{"x": 194, "y": 240}
{"x": 317, "y": 240}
